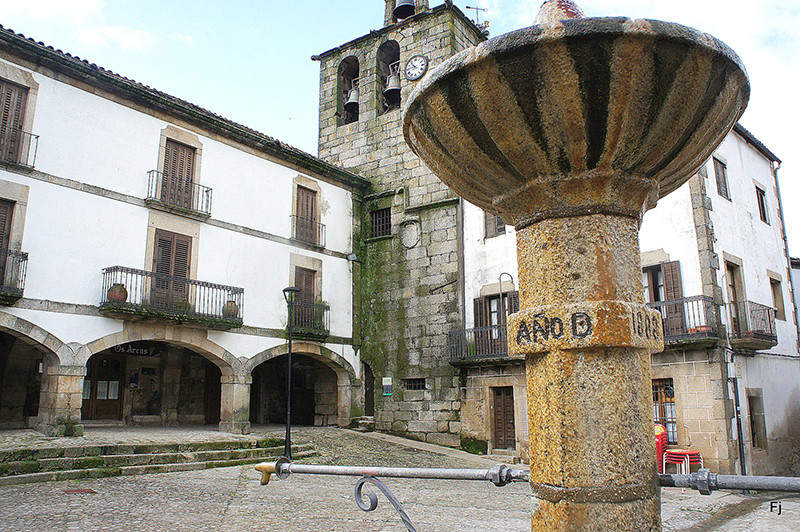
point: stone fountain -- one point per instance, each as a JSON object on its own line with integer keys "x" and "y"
{"x": 570, "y": 130}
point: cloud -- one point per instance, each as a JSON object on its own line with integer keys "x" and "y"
{"x": 126, "y": 38}
{"x": 179, "y": 37}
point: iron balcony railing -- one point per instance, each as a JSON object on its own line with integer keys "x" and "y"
{"x": 181, "y": 194}
{"x": 687, "y": 318}
{"x": 139, "y": 294}
{"x": 477, "y": 343}
{"x": 310, "y": 319}
{"x": 308, "y": 230}
{"x": 18, "y": 147}
{"x": 752, "y": 320}
{"x": 13, "y": 266}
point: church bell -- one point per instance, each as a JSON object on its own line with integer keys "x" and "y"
{"x": 403, "y": 9}
{"x": 392, "y": 90}
{"x": 351, "y": 105}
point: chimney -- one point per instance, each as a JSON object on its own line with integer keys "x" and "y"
{"x": 388, "y": 17}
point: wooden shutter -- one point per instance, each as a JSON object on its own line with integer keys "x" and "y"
{"x": 675, "y": 323}
{"x": 171, "y": 258}
{"x": 513, "y": 302}
{"x": 304, "y": 312}
{"x": 306, "y": 215}
{"x": 12, "y": 111}
{"x": 6, "y": 210}
{"x": 672, "y": 280}
{"x": 479, "y": 308}
{"x": 177, "y": 182}
{"x": 493, "y": 225}
{"x": 721, "y": 175}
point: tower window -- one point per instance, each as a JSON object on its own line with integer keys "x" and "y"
{"x": 348, "y": 90}
{"x": 389, "y": 72}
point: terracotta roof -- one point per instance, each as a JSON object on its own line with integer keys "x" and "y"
{"x": 757, "y": 144}
{"x": 97, "y": 76}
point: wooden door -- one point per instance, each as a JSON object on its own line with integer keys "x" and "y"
{"x": 178, "y": 179}
{"x": 675, "y": 317}
{"x": 306, "y": 225}
{"x": 369, "y": 391}
{"x": 505, "y": 436}
{"x": 102, "y": 388}
{"x": 171, "y": 265}
{"x": 732, "y": 274}
{"x": 304, "y": 310}
{"x": 12, "y": 111}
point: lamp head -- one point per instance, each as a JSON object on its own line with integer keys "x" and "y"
{"x": 290, "y": 292}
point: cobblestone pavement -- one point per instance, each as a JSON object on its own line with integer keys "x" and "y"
{"x": 231, "y": 499}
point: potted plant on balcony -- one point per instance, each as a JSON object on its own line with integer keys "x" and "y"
{"x": 117, "y": 293}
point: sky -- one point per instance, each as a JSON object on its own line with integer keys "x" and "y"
{"x": 249, "y": 60}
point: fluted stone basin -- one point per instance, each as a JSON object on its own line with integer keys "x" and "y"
{"x": 591, "y": 115}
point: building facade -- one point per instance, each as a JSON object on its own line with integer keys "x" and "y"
{"x": 129, "y": 295}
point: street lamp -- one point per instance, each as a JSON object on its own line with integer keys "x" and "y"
{"x": 289, "y": 294}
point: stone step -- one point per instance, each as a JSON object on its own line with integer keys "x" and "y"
{"x": 120, "y": 460}
{"x": 77, "y": 451}
{"x": 103, "y": 472}
{"x": 364, "y": 424}
{"x": 504, "y": 456}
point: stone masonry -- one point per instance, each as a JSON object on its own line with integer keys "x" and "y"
{"x": 410, "y": 280}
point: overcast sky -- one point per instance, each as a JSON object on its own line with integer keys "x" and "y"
{"x": 250, "y": 60}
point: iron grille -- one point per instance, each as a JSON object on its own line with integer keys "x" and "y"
{"x": 381, "y": 222}
{"x": 18, "y": 147}
{"x": 308, "y": 230}
{"x": 414, "y": 384}
{"x": 310, "y": 319}
{"x": 128, "y": 291}
{"x": 178, "y": 193}
{"x": 477, "y": 343}
{"x": 752, "y": 320}
{"x": 664, "y": 407}
{"x": 687, "y": 318}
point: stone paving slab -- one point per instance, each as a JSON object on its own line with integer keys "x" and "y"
{"x": 232, "y": 499}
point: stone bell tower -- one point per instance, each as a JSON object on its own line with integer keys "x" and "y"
{"x": 408, "y": 271}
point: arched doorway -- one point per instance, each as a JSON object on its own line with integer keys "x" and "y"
{"x": 21, "y": 370}
{"x": 315, "y": 392}
{"x": 146, "y": 382}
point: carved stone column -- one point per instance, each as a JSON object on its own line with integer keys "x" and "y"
{"x": 235, "y": 404}
{"x": 60, "y": 401}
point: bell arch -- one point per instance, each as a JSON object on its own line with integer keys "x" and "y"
{"x": 388, "y": 69}
{"x": 348, "y": 90}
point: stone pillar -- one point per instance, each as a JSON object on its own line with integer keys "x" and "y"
{"x": 388, "y": 15}
{"x": 61, "y": 400}
{"x": 235, "y": 404}
{"x": 586, "y": 336}
{"x": 170, "y": 385}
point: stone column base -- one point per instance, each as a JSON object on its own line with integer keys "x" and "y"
{"x": 235, "y": 427}
{"x": 235, "y": 404}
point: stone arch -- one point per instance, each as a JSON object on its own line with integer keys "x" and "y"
{"x": 347, "y": 75}
{"x": 344, "y": 371}
{"x": 194, "y": 339}
{"x": 56, "y": 352}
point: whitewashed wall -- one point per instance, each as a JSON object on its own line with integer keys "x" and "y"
{"x": 71, "y": 235}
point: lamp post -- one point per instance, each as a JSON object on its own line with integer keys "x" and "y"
{"x": 289, "y": 294}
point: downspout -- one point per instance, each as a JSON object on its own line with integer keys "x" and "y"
{"x": 775, "y": 169}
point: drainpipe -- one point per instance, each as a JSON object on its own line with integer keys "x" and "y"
{"x": 735, "y": 381}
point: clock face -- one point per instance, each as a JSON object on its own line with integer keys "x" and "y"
{"x": 416, "y": 67}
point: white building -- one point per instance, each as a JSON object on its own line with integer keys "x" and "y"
{"x": 131, "y": 296}
{"x": 715, "y": 262}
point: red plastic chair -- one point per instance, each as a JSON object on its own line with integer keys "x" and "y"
{"x": 661, "y": 446}
{"x": 683, "y": 459}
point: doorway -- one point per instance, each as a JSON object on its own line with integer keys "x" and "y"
{"x": 505, "y": 436}
{"x": 102, "y": 390}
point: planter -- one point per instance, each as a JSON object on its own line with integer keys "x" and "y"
{"x": 117, "y": 293}
{"x": 230, "y": 310}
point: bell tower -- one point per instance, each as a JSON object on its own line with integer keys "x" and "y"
{"x": 408, "y": 273}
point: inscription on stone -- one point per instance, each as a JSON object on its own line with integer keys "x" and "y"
{"x": 544, "y": 327}
{"x": 645, "y": 326}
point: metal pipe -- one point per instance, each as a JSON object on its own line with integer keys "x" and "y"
{"x": 705, "y": 482}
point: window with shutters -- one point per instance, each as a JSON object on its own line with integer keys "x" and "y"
{"x": 171, "y": 259}
{"x": 662, "y": 283}
{"x": 491, "y": 315}
{"x": 777, "y": 299}
{"x": 758, "y": 421}
{"x": 6, "y": 211}
{"x": 721, "y": 175}
{"x": 13, "y": 140}
{"x": 493, "y": 225}
{"x": 177, "y": 183}
{"x": 306, "y": 228}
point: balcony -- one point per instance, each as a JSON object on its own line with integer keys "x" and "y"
{"x": 752, "y": 326}
{"x": 13, "y": 265}
{"x": 310, "y": 320}
{"x": 688, "y": 322}
{"x": 18, "y": 147}
{"x": 139, "y": 295}
{"x": 478, "y": 346}
{"x": 178, "y": 196}
{"x": 308, "y": 230}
